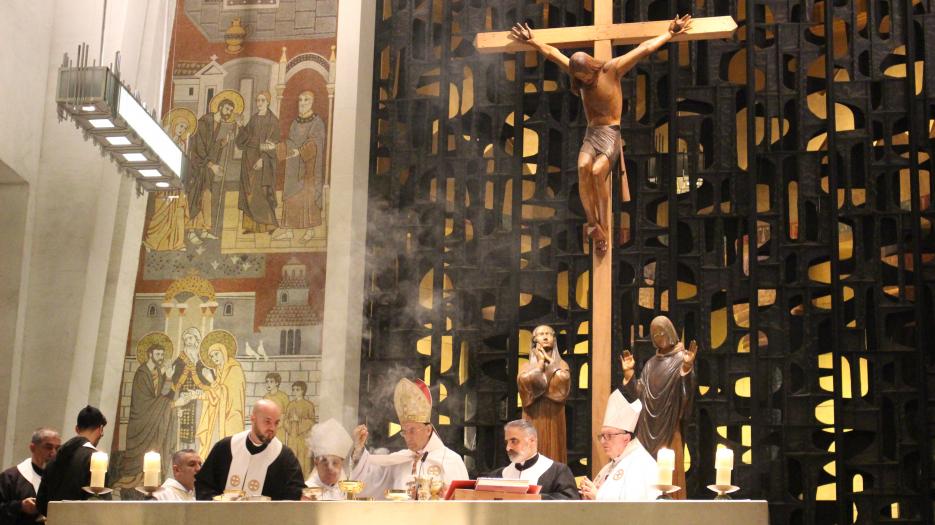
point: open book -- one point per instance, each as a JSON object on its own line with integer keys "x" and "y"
{"x": 518, "y": 486}
{"x": 513, "y": 486}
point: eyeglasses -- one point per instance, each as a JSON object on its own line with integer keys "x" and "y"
{"x": 607, "y": 436}
{"x": 412, "y": 431}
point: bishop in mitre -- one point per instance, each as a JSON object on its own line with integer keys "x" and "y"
{"x": 330, "y": 445}
{"x": 425, "y": 455}
{"x": 631, "y": 471}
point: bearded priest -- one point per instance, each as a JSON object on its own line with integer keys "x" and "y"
{"x": 253, "y": 461}
{"x": 522, "y": 447}
{"x": 425, "y": 455}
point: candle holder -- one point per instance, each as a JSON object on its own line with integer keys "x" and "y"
{"x": 723, "y": 491}
{"x": 666, "y": 490}
{"x": 97, "y": 492}
{"x": 148, "y": 491}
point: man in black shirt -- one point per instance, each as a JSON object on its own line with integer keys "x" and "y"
{"x": 522, "y": 447}
{"x": 253, "y": 461}
{"x": 71, "y": 469}
{"x": 18, "y": 485}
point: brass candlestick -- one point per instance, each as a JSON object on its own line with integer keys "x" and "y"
{"x": 666, "y": 490}
{"x": 148, "y": 491}
{"x": 723, "y": 491}
{"x": 97, "y": 492}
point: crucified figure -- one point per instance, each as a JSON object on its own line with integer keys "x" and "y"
{"x": 598, "y": 85}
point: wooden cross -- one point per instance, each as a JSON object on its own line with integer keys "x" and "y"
{"x": 603, "y": 35}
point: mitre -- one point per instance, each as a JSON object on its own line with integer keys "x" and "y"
{"x": 413, "y": 401}
{"x": 620, "y": 413}
{"x": 330, "y": 439}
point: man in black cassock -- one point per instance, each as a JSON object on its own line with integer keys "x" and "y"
{"x": 18, "y": 485}
{"x": 253, "y": 461}
{"x": 71, "y": 469}
{"x": 522, "y": 447}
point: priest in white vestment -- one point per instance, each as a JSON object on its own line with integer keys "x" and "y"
{"x": 330, "y": 445}
{"x": 426, "y": 457}
{"x": 632, "y": 471}
{"x": 181, "y": 486}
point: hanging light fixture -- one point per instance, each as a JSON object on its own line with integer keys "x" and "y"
{"x": 95, "y": 99}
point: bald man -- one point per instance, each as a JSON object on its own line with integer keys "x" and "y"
{"x": 253, "y": 461}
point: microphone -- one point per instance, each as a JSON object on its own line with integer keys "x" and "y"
{"x": 421, "y": 464}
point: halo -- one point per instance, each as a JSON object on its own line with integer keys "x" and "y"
{"x": 154, "y": 339}
{"x": 176, "y": 114}
{"x": 217, "y": 336}
{"x": 227, "y": 94}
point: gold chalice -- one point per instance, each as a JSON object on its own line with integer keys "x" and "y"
{"x": 311, "y": 493}
{"x": 351, "y": 488}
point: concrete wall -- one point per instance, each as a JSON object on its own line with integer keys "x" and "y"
{"x": 76, "y": 222}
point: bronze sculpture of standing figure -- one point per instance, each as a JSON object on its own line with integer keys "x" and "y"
{"x": 665, "y": 388}
{"x": 544, "y": 383}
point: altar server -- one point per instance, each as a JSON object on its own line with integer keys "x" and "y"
{"x": 70, "y": 470}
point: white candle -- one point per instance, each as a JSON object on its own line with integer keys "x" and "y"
{"x": 98, "y": 469}
{"x": 724, "y": 458}
{"x": 665, "y": 460}
{"x": 723, "y": 464}
{"x": 152, "y": 467}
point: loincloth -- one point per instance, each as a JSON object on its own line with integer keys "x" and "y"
{"x": 602, "y": 140}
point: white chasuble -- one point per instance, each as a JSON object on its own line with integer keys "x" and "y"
{"x": 630, "y": 477}
{"x": 248, "y": 471}
{"x": 381, "y": 472}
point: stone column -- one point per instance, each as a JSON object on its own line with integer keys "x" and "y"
{"x": 347, "y": 215}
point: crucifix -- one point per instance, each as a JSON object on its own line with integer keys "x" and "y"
{"x": 597, "y": 80}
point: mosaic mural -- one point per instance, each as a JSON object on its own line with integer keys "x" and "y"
{"x": 229, "y": 296}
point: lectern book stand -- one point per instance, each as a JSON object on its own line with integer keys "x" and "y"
{"x": 490, "y": 491}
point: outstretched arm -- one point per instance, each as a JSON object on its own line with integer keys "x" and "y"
{"x": 523, "y": 33}
{"x": 624, "y": 63}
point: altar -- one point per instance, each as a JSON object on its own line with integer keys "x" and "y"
{"x": 740, "y": 512}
